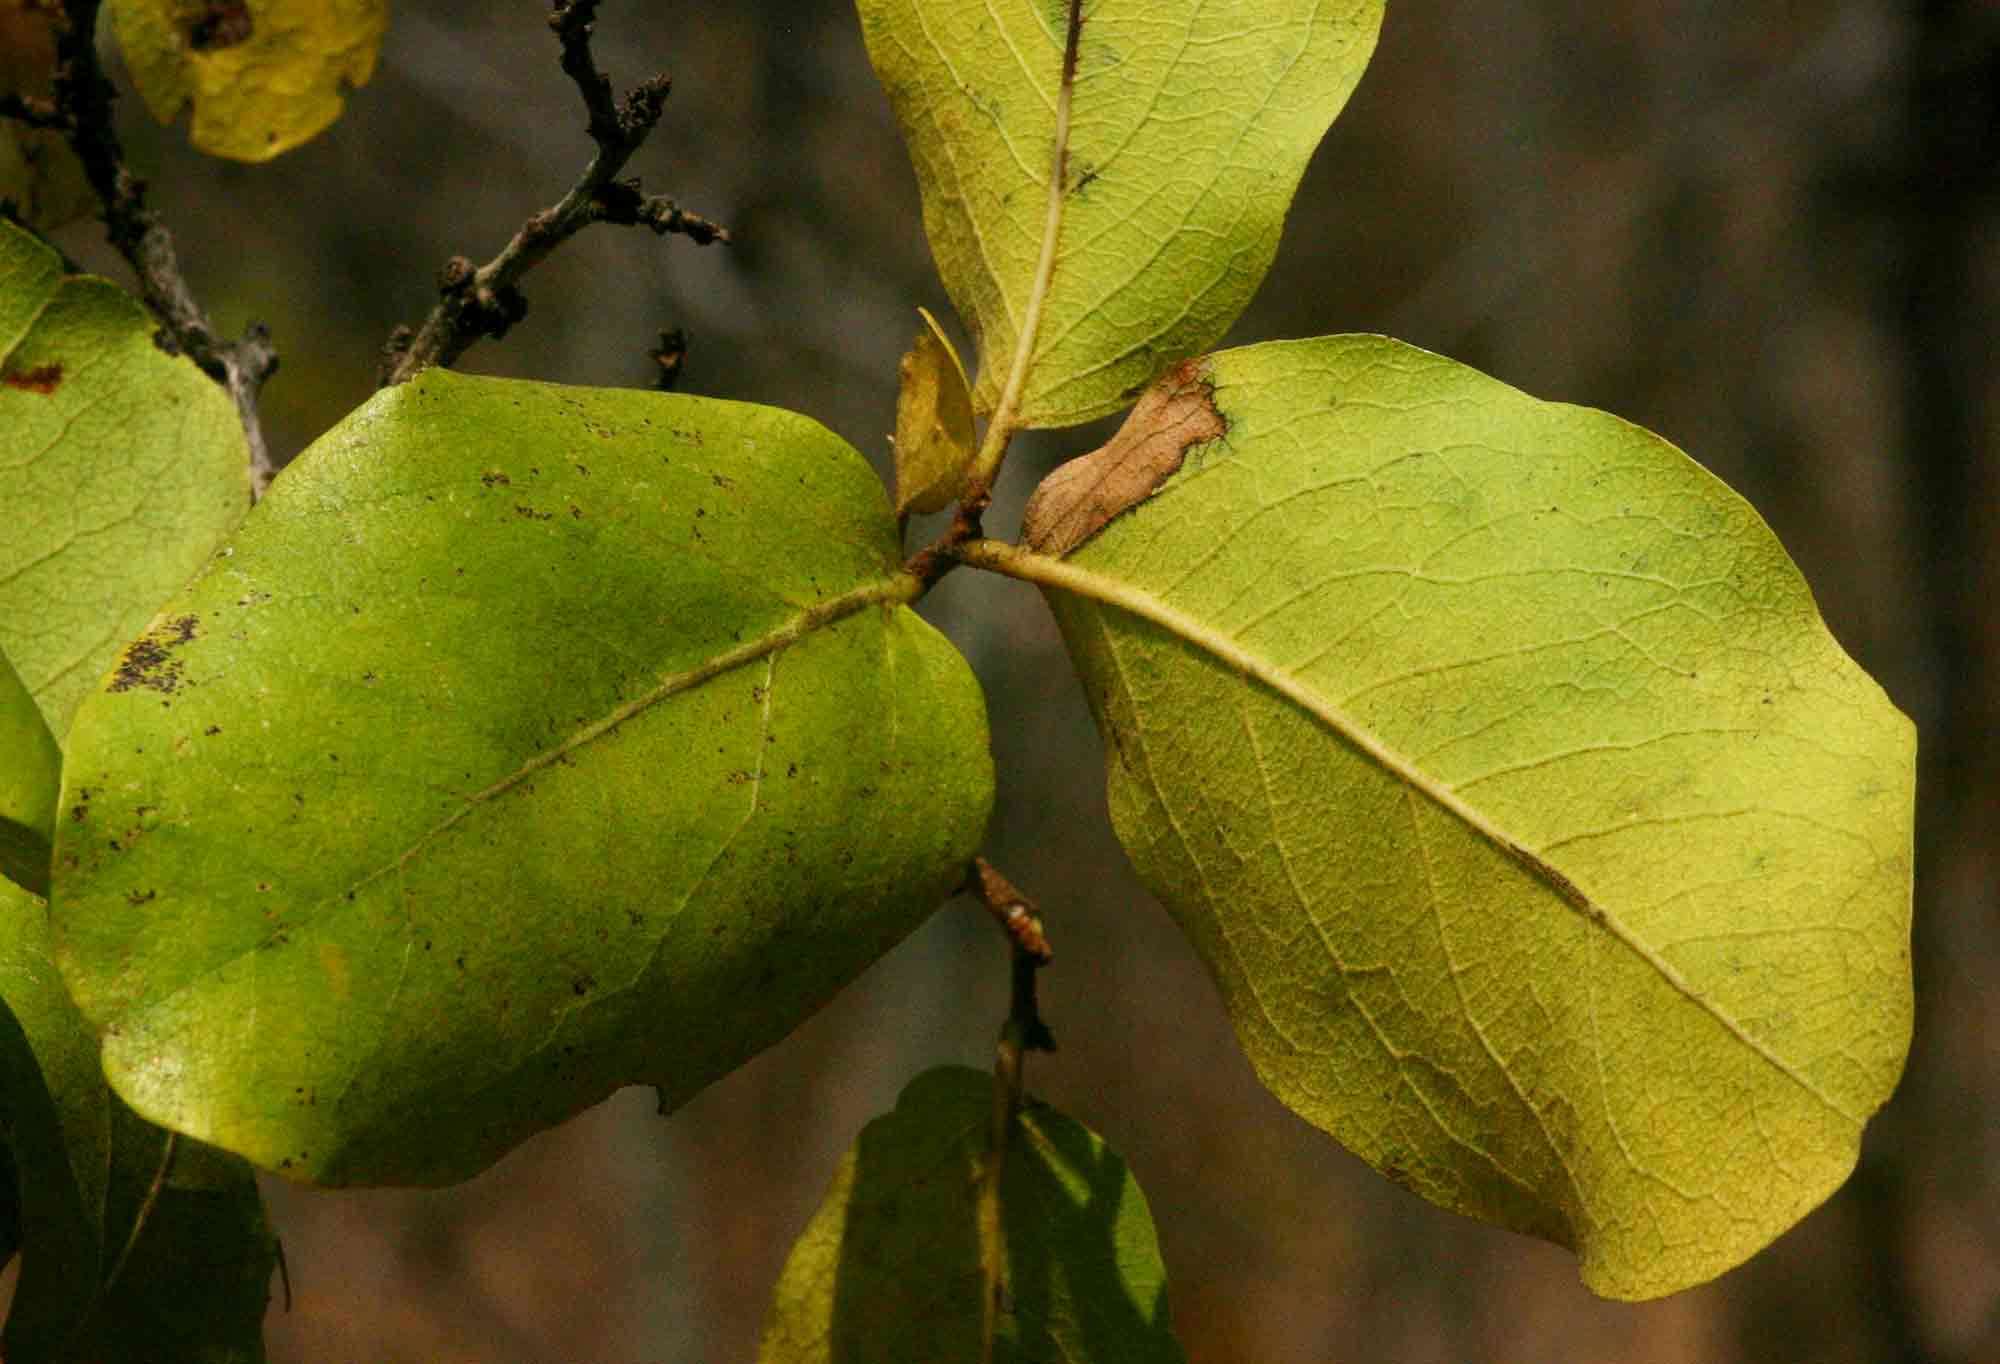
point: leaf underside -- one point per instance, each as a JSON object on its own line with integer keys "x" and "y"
{"x": 121, "y": 468}
{"x": 1112, "y": 193}
{"x": 889, "y": 1271}
{"x": 527, "y": 742}
{"x": 1547, "y": 849}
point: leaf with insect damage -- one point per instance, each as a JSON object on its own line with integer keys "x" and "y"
{"x": 1547, "y": 849}
{"x": 121, "y": 468}
{"x": 1104, "y": 183}
{"x": 263, "y": 76}
{"x": 527, "y": 741}
{"x": 889, "y": 1268}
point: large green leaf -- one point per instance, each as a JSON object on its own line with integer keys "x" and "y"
{"x": 121, "y": 469}
{"x": 889, "y": 1268}
{"x": 263, "y": 76}
{"x": 1104, "y": 182}
{"x": 526, "y": 742}
{"x": 1546, "y": 848}
{"x": 30, "y": 778}
{"x": 193, "y": 1277}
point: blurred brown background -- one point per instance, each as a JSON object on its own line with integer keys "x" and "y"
{"x": 1768, "y": 229}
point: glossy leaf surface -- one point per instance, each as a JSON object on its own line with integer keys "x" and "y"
{"x": 527, "y": 742}
{"x": 121, "y": 468}
{"x": 1104, "y": 183}
{"x": 195, "y": 1280}
{"x": 888, "y": 1270}
{"x": 262, "y": 76}
{"x": 30, "y": 778}
{"x": 1547, "y": 849}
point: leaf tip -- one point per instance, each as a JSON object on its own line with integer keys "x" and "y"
{"x": 1084, "y": 496}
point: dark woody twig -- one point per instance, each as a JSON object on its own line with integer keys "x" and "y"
{"x": 1023, "y": 1032}
{"x": 81, "y": 111}
{"x": 484, "y": 301}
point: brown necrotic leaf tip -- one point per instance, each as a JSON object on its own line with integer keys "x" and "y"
{"x": 1082, "y": 497}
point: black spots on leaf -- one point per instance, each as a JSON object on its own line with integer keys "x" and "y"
{"x": 583, "y": 985}
{"x": 493, "y": 478}
{"x": 135, "y": 898}
{"x": 149, "y": 661}
{"x": 530, "y": 514}
{"x": 219, "y": 24}
{"x": 42, "y": 379}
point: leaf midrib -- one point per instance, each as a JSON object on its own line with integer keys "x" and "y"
{"x": 1047, "y": 572}
{"x": 895, "y": 589}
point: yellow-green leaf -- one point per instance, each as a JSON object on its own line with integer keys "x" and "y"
{"x": 30, "y": 779}
{"x": 121, "y": 468}
{"x": 1547, "y": 849}
{"x": 263, "y": 76}
{"x": 1104, "y": 183}
{"x": 888, "y": 1271}
{"x": 933, "y": 424}
{"x": 527, "y": 741}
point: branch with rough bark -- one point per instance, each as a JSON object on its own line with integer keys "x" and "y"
{"x": 485, "y": 300}
{"x": 81, "y": 110}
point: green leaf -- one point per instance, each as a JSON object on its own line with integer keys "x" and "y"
{"x": 192, "y": 1270}
{"x": 1104, "y": 183}
{"x": 121, "y": 469}
{"x": 264, "y": 76}
{"x": 888, "y": 1269}
{"x": 933, "y": 441}
{"x": 527, "y": 742}
{"x": 30, "y": 778}
{"x": 1546, "y": 848}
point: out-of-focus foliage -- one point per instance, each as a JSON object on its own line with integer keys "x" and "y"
{"x": 262, "y": 76}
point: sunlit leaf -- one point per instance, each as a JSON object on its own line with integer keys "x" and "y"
{"x": 121, "y": 468}
{"x": 526, "y": 742}
{"x": 110, "y": 1270}
{"x": 1104, "y": 182}
{"x": 30, "y": 778}
{"x": 888, "y": 1270}
{"x": 933, "y": 424}
{"x": 263, "y": 76}
{"x": 1547, "y": 849}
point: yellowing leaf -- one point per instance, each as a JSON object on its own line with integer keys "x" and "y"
{"x": 121, "y": 468}
{"x": 1104, "y": 183}
{"x": 1547, "y": 849}
{"x": 526, "y": 742}
{"x": 264, "y": 76}
{"x": 38, "y": 172}
{"x": 30, "y": 777}
{"x": 888, "y": 1271}
{"x": 933, "y": 424}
